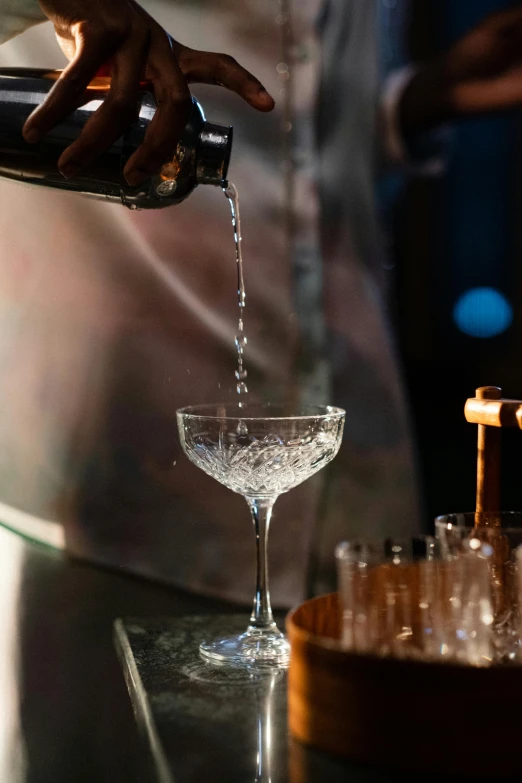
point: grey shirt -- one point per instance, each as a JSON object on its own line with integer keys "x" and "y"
{"x": 110, "y": 320}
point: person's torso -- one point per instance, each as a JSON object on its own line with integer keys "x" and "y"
{"x": 111, "y": 320}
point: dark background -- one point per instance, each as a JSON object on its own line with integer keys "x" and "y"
{"x": 451, "y": 234}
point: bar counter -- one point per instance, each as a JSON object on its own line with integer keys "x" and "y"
{"x": 66, "y": 715}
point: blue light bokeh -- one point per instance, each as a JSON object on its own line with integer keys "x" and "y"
{"x": 483, "y": 313}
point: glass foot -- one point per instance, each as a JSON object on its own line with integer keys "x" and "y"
{"x": 254, "y": 647}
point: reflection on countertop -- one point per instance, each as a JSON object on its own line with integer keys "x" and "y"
{"x": 65, "y": 714}
{"x": 204, "y": 721}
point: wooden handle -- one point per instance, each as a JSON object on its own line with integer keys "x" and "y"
{"x": 494, "y": 412}
{"x": 488, "y": 458}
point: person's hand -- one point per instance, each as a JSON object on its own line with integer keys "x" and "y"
{"x": 481, "y": 73}
{"x": 121, "y": 36}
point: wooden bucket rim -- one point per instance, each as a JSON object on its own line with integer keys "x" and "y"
{"x": 333, "y": 648}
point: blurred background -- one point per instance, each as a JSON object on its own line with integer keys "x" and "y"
{"x": 455, "y": 269}
{"x": 452, "y": 268}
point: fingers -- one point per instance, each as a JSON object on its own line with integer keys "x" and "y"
{"x": 487, "y": 95}
{"x": 136, "y": 48}
{"x": 211, "y": 68}
{"x": 171, "y": 117}
{"x": 93, "y": 49}
{"x": 117, "y": 112}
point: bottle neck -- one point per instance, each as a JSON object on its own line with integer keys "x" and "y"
{"x": 213, "y": 154}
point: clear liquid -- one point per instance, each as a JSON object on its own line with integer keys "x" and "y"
{"x": 241, "y": 373}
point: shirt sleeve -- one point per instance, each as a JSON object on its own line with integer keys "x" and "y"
{"x": 17, "y": 16}
{"x": 423, "y": 153}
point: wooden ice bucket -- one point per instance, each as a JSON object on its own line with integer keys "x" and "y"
{"x": 429, "y": 717}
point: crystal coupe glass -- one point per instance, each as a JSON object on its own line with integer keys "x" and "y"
{"x": 259, "y": 451}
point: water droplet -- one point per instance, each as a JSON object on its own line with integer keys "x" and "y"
{"x": 241, "y": 342}
{"x": 241, "y": 374}
{"x": 242, "y": 428}
{"x": 242, "y": 388}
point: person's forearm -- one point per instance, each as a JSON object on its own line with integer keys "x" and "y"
{"x": 479, "y": 74}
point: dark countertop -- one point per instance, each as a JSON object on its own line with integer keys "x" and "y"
{"x": 65, "y": 713}
{"x": 203, "y": 721}
{"x": 66, "y": 716}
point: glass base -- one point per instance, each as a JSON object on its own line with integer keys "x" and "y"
{"x": 254, "y": 647}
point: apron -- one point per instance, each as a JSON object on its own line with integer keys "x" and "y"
{"x": 110, "y": 320}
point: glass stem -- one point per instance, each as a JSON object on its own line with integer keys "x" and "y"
{"x": 261, "y": 619}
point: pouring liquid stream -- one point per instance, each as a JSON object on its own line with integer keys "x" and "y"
{"x": 231, "y": 194}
